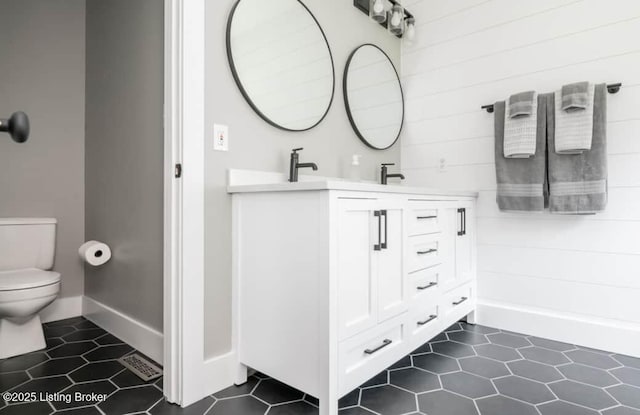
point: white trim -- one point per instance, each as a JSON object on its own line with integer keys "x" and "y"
{"x": 184, "y": 201}
{"x": 609, "y": 335}
{"x": 138, "y": 335}
{"x": 61, "y": 309}
{"x": 171, "y": 197}
{"x": 220, "y": 372}
{"x": 191, "y": 292}
{"x": 27, "y": 221}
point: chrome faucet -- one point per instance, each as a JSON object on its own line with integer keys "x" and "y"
{"x": 294, "y": 165}
{"x": 384, "y": 175}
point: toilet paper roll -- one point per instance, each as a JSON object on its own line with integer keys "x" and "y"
{"x": 95, "y": 253}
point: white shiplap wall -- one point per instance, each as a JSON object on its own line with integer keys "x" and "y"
{"x": 575, "y": 279}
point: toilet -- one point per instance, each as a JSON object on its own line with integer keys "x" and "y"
{"x": 27, "y": 249}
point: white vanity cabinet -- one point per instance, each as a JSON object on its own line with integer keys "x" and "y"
{"x": 336, "y": 281}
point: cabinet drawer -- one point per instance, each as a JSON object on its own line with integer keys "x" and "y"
{"x": 368, "y": 353}
{"x": 424, "y": 252}
{"x": 458, "y": 302}
{"x": 424, "y": 219}
{"x": 424, "y": 323}
{"x": 423, "y": 286}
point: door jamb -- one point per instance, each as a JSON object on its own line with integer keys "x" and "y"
{"x": 184, "y": 201}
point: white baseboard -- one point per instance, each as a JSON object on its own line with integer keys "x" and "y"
{"x": 609, "y": 335}
{"x": 135, "y": 333}
{"x": 62, "y": 308}
{"x": 219, "y": 372}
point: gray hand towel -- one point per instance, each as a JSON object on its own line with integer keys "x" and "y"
{"x": 521, "y": 104}
{"x": 578, "y": 183}
{"x": 521, "y": 182}
{"x": 520, "y": 140}
{"x": 575, "y": 97}
{"x": 574, "y": 129}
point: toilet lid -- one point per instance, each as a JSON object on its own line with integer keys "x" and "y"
{"x": 24, "y": 279}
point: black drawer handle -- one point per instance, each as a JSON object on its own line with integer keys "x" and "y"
{"x": 463, "y": 221}
{"x": 462, "y": 300}
{"x": 378, "y": 246}
{"x": 385, "y": 244}
{"x": 427, "y": 217}
{"x": 384, "y": 344}
{"x": 427, "y": 321}
{"x": 426, "y": 287}
{"x": 430, "y": 251}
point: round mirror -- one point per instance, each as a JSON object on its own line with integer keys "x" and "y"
{"x": 281, "y": 61}
{"x": 373, "y": 96}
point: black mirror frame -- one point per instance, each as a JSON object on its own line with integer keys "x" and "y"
{"x": 245, "y": 94}
{"x": 346, "y": 97}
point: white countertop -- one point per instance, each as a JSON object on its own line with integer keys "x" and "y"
{"x": 345, "y": 185}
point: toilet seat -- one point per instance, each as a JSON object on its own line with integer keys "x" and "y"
{"x": 24, "y": 279}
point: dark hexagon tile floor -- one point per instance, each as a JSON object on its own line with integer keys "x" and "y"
{"x": 466, "y": 370}
{"x": 81, "y": 357}
{"x": 477, "y": 370}
{"x": 484, "y": 367}
{"x": 388, "y": 399}
{"x": 414, "y": 380}
{"x": 468, "y": 385}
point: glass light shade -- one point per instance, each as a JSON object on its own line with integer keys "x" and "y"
{"x": 396, "y": 20}
{"x": 377, "y": 11}
{"x": 410, "y": 30}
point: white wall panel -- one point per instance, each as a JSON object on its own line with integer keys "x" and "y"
{"x": 472, "y": 53}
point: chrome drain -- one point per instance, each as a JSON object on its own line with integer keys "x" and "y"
{"x": 143, "y": 368}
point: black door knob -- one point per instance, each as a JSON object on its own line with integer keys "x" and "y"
{"x": 17, "y": 126}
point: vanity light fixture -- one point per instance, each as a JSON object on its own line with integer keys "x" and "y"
{"x": 389, "y": 14}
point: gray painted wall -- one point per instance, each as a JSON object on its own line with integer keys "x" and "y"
{"x": 124, "y": 154}
{"x": 42, "y": 73}
{"x": 256, "y": 145}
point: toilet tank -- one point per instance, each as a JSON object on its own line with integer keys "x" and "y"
{"x": 27, "y": 243}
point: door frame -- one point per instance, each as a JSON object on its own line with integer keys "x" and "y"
{"x": 184, "y": 201}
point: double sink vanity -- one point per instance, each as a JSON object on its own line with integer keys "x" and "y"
{"x": 335, "y": 281}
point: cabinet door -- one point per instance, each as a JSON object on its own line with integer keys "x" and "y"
{"x": 392, "y": 290}
{"x": 465, "y": 243}
{"x": 357, "y": 286}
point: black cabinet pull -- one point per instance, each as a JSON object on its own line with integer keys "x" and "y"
{"x": 462, "y": 300}
{"x": 378, "y": 246}
{"x": 430, "y": 251}
{"x": 427, "y": 217}
{"x": 426, "y": 287}
{"x": 427, "y": 321}
{"x": 384, "y": 344}
{"x": 385, "y": 244}
{"x": 463, "y": 221}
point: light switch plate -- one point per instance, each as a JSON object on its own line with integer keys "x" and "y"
{"x": 220, "y": 137}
